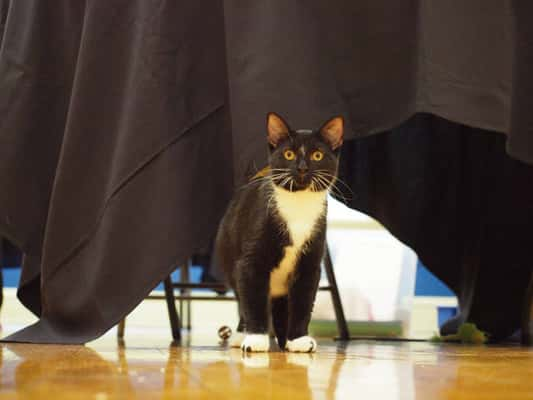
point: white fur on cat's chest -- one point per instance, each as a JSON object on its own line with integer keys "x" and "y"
{"x": 300, "y": 211}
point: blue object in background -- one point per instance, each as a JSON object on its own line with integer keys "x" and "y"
{"x": 427, "y": 284}
{"x": 445, "y": 313}
{"x": 12, "y": 276}
{"x": 195, "y": 274}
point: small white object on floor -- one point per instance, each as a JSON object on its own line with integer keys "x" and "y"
{"x": 224, "y": 332}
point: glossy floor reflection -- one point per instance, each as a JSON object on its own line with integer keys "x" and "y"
{"x": 145, "y": 368}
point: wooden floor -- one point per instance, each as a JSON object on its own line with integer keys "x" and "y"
{"x": 149, "y": 368}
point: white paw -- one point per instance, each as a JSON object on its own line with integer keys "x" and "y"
{"x": 236, "y": 339}
{"x": 255, "y": 343}
{"x": 303, "y": 344}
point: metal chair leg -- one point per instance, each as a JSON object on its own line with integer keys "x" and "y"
{"x": 342, "y": 326}
{"x": 185, "y": 305}
{"x": 527, "y": 317}
{"x": 120, "y": 329}
{"x": 175, "y": 324}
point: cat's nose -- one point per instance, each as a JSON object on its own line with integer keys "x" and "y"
{"x": 302, "y": 167}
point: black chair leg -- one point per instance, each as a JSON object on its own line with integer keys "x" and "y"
{"x": 121, "y": 328}
{"x": 527, "y": 317}
{"x": 185, "y": 305}
{"x": 342, "y": 326}
{"x": 175, "y": 324}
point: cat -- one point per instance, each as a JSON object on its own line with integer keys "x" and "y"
{"x": 271, "y": 239}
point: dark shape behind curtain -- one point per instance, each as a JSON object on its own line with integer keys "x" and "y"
{"x": 453, "y": 194}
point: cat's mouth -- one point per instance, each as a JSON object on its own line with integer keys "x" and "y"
{"x": 294, "y": 183}
{"x": 303, "y": 179}
{"x": 301, "y": 182}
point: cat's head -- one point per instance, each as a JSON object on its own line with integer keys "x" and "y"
{"x": 304, "y": 159}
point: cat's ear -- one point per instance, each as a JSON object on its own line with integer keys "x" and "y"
{"x": 333, "y": 132}
{"x": 277, "y": 129}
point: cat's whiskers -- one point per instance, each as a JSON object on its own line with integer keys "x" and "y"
{"x": 285, "y": 181}
{"x": 335, "y": 178}
{"x": 257, "y": 180}
{"x": 280, "y": 172}
{"x": 277, "y": 177}
{"x": 315, "y": 187}
{"x": 337, "y": 191}
{"x": 281, "y": 179}
{"x": 322, "y": 181}
{"x": 331, "y": 186}
{"x": 268, "y": 179}
{"x": 270, "y": 199}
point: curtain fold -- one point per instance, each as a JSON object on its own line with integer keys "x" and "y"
{"x": 112, "y": 114}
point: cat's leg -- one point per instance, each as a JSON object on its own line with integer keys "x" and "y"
{"x": 253, "y": 287}
{"x": 280, "y": 318}
{"x": 238, "y": 337}
{"x": 302, "y": 295}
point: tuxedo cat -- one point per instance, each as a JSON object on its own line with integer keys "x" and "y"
{"x": 271, "y": 240}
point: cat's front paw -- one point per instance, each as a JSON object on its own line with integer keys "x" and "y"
{"x": 256, "y": 343}
{"x": 303, "y": 344}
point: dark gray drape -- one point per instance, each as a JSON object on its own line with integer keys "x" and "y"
{"x": 124, "y": 123}
{"x": 377, "y": 62}
{"x": 112, "y": 137}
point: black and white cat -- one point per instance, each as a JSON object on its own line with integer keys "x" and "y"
{"x": 271, "y": 240}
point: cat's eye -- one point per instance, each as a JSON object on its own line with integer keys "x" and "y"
{"x": 289, "y": 155}
{"x": 317, "y": 155}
